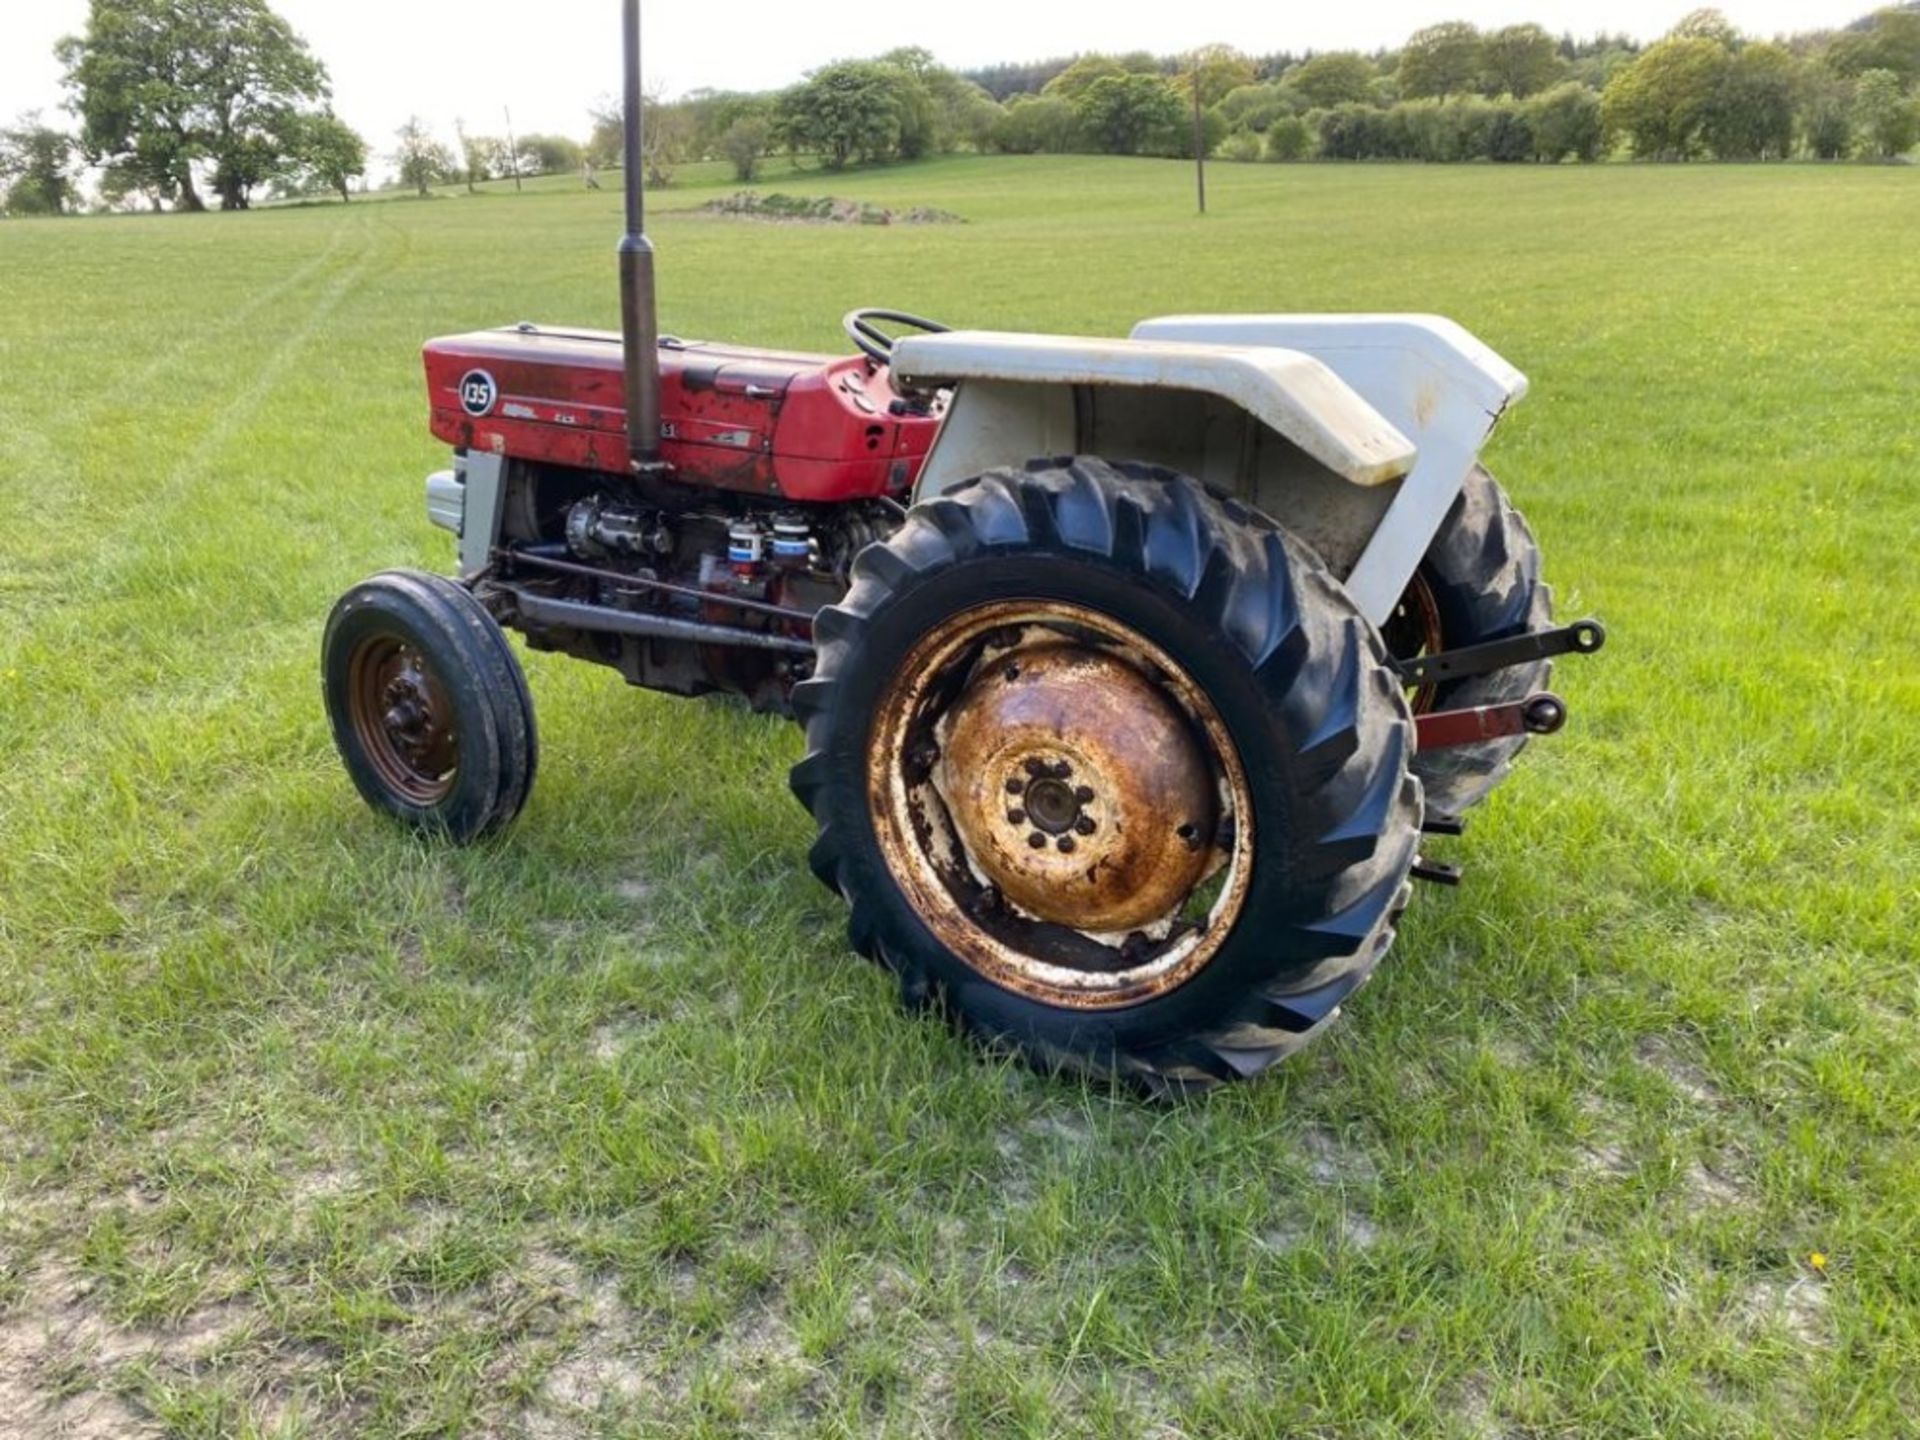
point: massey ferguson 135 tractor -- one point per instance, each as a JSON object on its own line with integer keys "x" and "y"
{"x": 1132, "y": 671}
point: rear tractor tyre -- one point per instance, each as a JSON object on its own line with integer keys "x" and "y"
{"x": 1480, "y": 581}
{"x": 429, "y": 707}
{"x": 1112, "y": 772}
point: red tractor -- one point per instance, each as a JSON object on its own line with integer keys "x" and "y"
{"x": 1132, "y": 671}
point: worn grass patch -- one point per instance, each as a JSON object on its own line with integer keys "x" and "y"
{"x": 307, "y": 1128}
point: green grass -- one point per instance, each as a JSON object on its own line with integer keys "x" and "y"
{"x": 308, "y": 1128}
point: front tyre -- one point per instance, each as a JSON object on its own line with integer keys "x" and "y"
{"x": 429, "y": 707}
{"x": 1112, "y": 771}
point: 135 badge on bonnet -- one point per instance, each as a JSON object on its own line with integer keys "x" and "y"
{"x": 477, "y": 392}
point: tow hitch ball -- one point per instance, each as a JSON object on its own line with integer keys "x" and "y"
{"x": 1540, "y": 713}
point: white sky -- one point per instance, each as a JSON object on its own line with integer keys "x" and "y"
{"x": 549, "y": 58}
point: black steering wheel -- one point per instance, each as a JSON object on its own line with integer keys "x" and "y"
{"x": 875, "y": 343}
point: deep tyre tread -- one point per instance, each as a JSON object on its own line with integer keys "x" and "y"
{"x": 498, "y": 744}
{"x": 1298, "y": 678}
{"x": 1484, "y": 570}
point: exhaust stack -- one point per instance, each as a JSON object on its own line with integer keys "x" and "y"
{"x": 639, "y": 315}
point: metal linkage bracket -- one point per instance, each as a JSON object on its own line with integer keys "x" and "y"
{"x": 1541, "y": 713}
{"x": 1582, "y": 637}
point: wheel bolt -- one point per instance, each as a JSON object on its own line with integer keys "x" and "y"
{"x": 1015, "y": 785}
{"x": 1016, "y": 817}
{"x": 1085, "y": 825}
{"x": 1065, "y": 843}
{"x": 1061, "y": 770}
{"x": 1037, "y": 841}
{"x": 1036, "y": 767}
{"x": 1084, "y": 794}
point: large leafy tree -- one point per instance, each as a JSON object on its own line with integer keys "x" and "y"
{"x": 1440, "y": 60}
{"x": 1825, "y": 105}
{"x": 1519, "y": 60}
{"x": 331, "y": 153}
{"x": 36, "y": 168}
{"x": 1220, "y": 69}
{"x": 1662, "y": 101}
{"x": 1074, "y": 81}
{"x": 1339, "y": 77}
{"x": 1888, "y": 122}
{"x": 1890, "y": 40}
{"x": 1751, "y": 117}
{"x": 1125, "y": 114}
{"x": 422, "y": 160}
{"x": 162, "y": 86}
{"x": 849, "y": 111}
{"x": 1566, "y": 122}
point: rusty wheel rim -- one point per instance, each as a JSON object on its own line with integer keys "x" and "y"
{"x": 1414, "y": 630}
{"x": 402, "y": 719}
{"x": 1061, "y": 804}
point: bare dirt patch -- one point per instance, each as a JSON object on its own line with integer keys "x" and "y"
{"x": 1798, "y": 1306}
{"x": 1474, "y": 1409}
{"x": 1331, "y": 1161}
{"x": 59, "y": 1355}
{"x": 613, "y": 1039}
{"x": 1602, "y": 1154}
{"x": 1357, "y": 1232}
{"x": 1657, "y": 1054}
{"x": 1713, "y": 1187}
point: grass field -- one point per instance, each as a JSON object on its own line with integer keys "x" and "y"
{"x": 308, "y": 1128}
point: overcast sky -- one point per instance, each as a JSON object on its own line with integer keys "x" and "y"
{"x": 549, "y": 58}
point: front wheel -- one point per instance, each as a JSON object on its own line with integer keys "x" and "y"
{"x": 1112, "y": 771}
{"x": 429, "y": 707}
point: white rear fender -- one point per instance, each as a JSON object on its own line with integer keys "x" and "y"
{"x": 1429, "y": 377}
{"x": 1294, "y": 395}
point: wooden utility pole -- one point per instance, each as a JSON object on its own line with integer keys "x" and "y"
{"x": 513, "y": 150}
{"x": 1199, "y": 140}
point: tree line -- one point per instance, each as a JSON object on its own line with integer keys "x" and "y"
{"x": 180, "y": 101}
{"x": 1452, "y": 92}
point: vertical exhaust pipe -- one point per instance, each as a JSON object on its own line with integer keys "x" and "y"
{"x": 639, "y": 314}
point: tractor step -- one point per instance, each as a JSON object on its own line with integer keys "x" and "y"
{"x": 1435, "y": 872}
{"x": 1541, "y": 713}
{"x": 1582, "y": 637}
{"x": 1438, "y": 823}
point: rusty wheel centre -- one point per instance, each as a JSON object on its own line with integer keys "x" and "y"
{"x": 402, "y": 717}
{"x": 1059, "y": 800}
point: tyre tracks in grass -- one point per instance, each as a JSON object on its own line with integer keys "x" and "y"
{"x": 103, "y": 623}
{"x": 41, "y": 445}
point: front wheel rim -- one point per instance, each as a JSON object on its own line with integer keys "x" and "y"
{"x": 1061, "y": 804}
{"x": 403, "y": 719}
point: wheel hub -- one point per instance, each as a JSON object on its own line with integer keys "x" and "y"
{"x": 1078, "y": 789}
{"x": 404, "y": 719}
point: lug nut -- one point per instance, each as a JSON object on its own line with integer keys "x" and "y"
{"x": 1036, "y": 767}
{"x": 1015, "y": 785}
{"x": 1037, "y": 841}
{"x": 1085, "y": 825}
{"x": 1084, "y": 794}
{"x": 1065, "y": 842}
{"x": 1016, "y": 817}
{"x": 1061, "y": 769}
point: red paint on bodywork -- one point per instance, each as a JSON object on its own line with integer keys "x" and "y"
{"x": 805, "y": 427}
